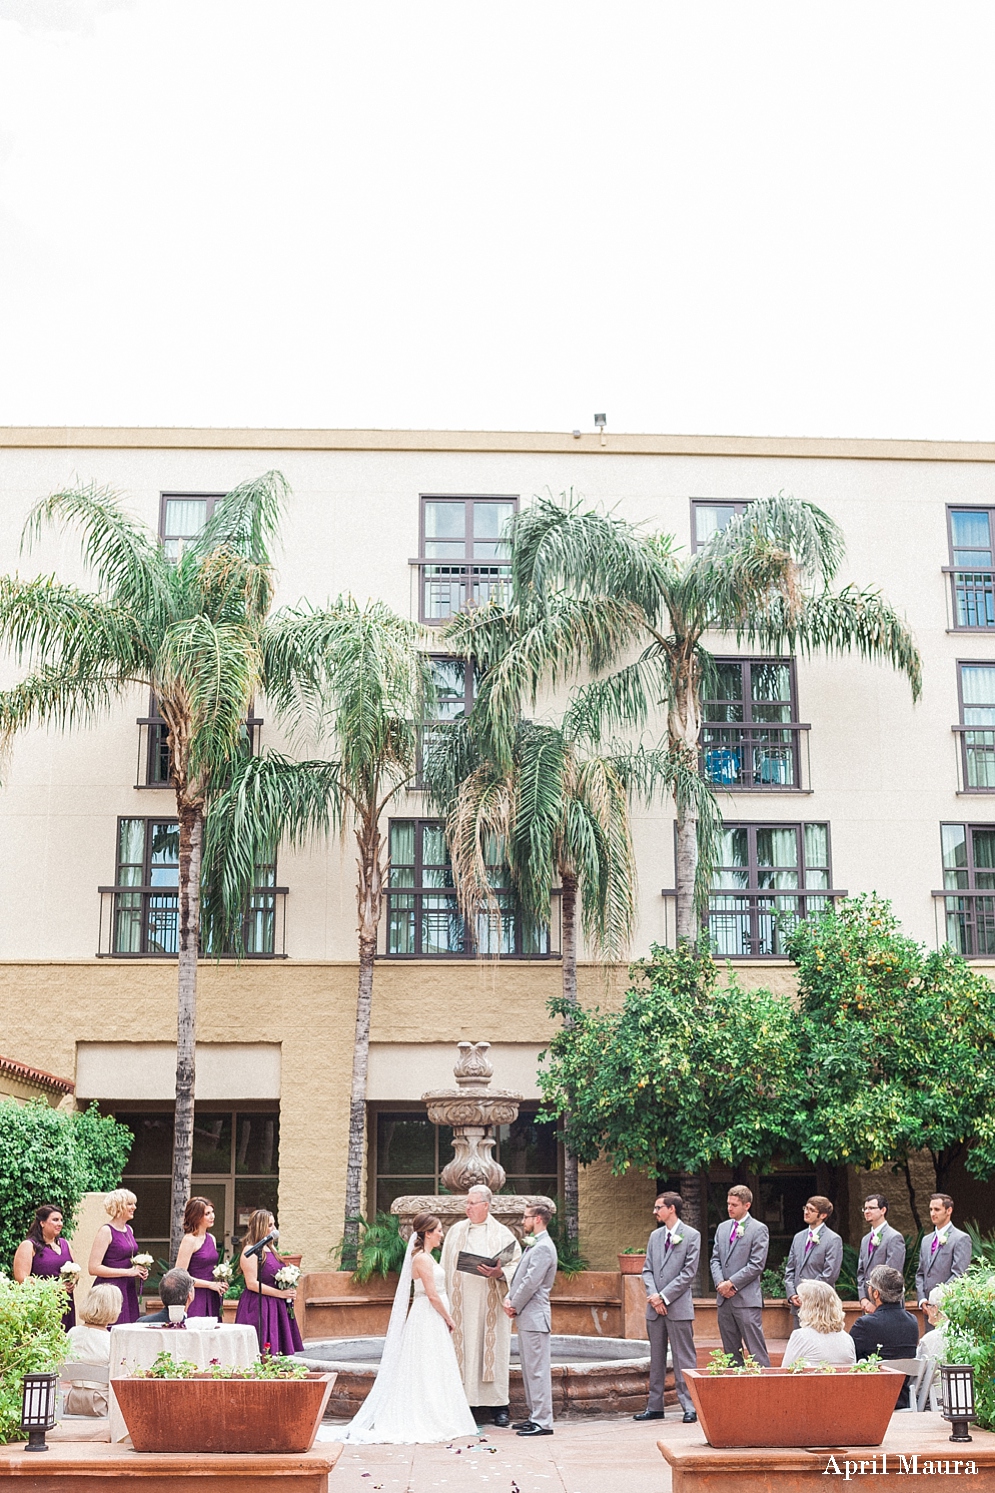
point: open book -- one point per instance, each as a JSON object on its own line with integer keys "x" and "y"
{"x": 468, "y": 1263}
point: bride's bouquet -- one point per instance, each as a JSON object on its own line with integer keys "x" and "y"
{"x": 286, "y": 1279}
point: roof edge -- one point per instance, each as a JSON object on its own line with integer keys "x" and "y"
{"x": 36, "y": 1076}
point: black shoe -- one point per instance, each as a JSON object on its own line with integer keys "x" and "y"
{"x": 534, "y": 1430}
{"x": 501, "y": 1418}
{"x": 689, "y": 1417}
{"x": 522, "y": 1425}
{"x": 649, "y": 1415}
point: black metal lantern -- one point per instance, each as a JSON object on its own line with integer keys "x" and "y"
{"x": 38, "y": 1409}
{"x": 957, "y": 1393}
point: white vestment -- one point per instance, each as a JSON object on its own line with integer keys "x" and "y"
{"x": 483, "y": 1329}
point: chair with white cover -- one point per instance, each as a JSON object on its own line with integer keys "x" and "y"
{"x": 917, "y": 1369}
{"x": 92, "y": 1373}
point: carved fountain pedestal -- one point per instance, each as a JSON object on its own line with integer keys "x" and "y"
{"x": 474, "y": 1111}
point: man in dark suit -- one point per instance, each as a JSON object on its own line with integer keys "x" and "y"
{"x": 738, "y": 1259}
{"x": 945, "y": 1253}
{"x": 668, "y": 1275}
{"x": 816, "y": 1252}
{"x": 882, "y": 1246}
{"x": 887, "y": 1329}
{"x": 177, "y": 1292}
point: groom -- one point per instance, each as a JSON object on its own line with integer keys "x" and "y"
{"x": 482, "y": 1336}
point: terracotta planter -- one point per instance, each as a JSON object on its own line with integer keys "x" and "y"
{"x": 631, "y": 1264}
{"x": 292, "y": 1260}
{"x": 202, "y": 1414}
{"x": 778, "y": 1408}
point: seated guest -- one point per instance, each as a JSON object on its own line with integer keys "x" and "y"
{"x": 819, "y": 1336}
{"x": 90, "y": 1342}
{"x": 887, "y": 1329}
{"x": 931, "y": 1343}
{"x": 176, "y": 1289}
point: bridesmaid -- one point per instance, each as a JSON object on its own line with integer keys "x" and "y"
{"x": 269, "y": 1312}
{"x": 114, "y": 1249}
{"x": 198, "y": 1253}
{"x": 43, "y": 1252}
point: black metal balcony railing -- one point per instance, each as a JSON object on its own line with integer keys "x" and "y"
{"x": 426, "y": 923}
{"x": 448, "y": 588}
{"x": 966, "y": 920}
{"x": 754, "y": 924}
{"x": 143, "y": 922}
{"x": 756, "y": 758}
{"x": 972, "y": 597}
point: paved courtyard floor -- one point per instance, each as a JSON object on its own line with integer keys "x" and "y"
{"x": 592, "y": 1456}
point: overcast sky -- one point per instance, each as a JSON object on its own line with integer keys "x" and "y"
{"x": 766, "y": 218}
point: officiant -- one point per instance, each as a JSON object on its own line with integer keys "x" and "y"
{"x": 482, "y": 1337}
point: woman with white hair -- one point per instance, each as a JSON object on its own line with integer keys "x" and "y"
{"x": 112, "y": 1256}
{"x": 820, "y": 1336}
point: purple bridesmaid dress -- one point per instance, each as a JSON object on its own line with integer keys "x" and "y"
{"x": 49, "y": 1261}
{"x": 119, "y": 1256}
{"x": 201, "y": 1266}
{"x": 278, "y": 1332}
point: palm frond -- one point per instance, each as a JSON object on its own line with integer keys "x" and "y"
{"x": 481, "y": 815}
{"x": 206, "y": 676}
{"x": 621, "y": 701}
{"x": 559, "y": 543}
{"x": 60, "y": 697}
{"x": 58, "y": 625}
{"x": 813, "y": 540}
{"x": 247, "y": 520}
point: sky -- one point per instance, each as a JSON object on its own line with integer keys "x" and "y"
{"x": 765, "y": 218}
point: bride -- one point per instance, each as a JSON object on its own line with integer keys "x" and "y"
{"x": 418, "y": 1393}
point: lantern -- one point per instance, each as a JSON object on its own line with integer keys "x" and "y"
{"x": 38, "y": 1409}
{"x": 957, "y": 1392}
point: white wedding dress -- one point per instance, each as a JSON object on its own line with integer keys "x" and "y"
{"x": 418, "y": 1394}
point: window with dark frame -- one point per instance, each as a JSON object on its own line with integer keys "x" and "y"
{"x": 767, "y": 877}
{"x": 144, "y": 916}
{"x": 455, "y": 681}
{"x": 976, "y": 699}
{"x": 463, "y": 553}
{"x": 968, "y": 852}
{"x": 155, "y": 753}
{"x": 750, "y": 731}
{"x": 709, "y": 516}
{"x": 423, "y": 916}
{"x": 410, "y": 1152}
{"x": 971, "y": 572}
{"x": 181, "y": 518}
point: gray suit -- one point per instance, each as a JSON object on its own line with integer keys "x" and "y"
{"x": 741, "y": 1316}
{"x": 670, "y": 1273}
{"x": 890, "y": 1252}
{"x": 944, "y": 1263}
{"x": 821, "y": 1261}
{"x": 529, "y": 1296}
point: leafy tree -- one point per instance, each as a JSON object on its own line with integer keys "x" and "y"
{"x": 31, "y": 1341}
{"x": 53, "y": 1156}
{"x": 897, "y": 1045}
{"x": 689, "y": 1072}
{"x": 199, "y": 634}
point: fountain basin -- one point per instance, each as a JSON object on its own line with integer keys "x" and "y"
{"x": 591, "y": 1375}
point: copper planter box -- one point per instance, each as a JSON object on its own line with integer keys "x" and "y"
{"x": 202, "y": 1414}
{"x": 778, "y": 1408}
{"x": 631, "y": 1264}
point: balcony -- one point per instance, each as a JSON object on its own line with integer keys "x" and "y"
{"x": 142, "y": 922}
{"x": 756, "y": 758}
{"x": 426, "y": 923}
{"x": 975, "y": 759}
{"x": 446, "y": 589}
{"x": 966, "y": 920}
{"x": 753, "y": 925}
{"x": 971, "y": 599}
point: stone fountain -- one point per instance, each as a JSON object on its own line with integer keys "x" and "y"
{"x": 474, "y": 1111}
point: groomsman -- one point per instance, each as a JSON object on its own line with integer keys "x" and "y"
{"x": 945, "y": 1253}
{"x": 738, "y": 1260}
{"x": 882, "y": 1246}
{"x": 528, "y": 1301}
{"x": 816, "y": 1252}
{"x": 668, "y": 1275}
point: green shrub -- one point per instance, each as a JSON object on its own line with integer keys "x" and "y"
{"x": 969, "y": 1307}
{"x": 381, "y": 1248}
{"x": 52, "y": 1156}
{"x": 31, "y": 1341}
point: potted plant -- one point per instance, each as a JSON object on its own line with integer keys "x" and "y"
{"x": 804, "y": 1405}
{"x": 273, "y": 1405}
{"x": 632, "y": 1260}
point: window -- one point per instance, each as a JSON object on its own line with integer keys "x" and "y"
{"x": 455, "y": 680}
{"x": 463, "y": 555}
{"x": 970, "y": 567}
{"x": 411, "y": 1152}
{"x": 976, "y": 695}
{"x": 708, "y": 517}
{"x": 143, "y": 916}
{"x": 764, "y": 882}
{"x": 969, "y": 868}
{"x": 154, "y": 762}
{"x": 423, "y": 916}
{"x": 181, "y": 518}
{"x": 741, "y": 747}
{"x": 236, "y": 1164}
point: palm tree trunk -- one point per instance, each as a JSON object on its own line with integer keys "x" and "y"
{"x": 568, "y": 915}
{"x": 369, "y": 899}
{"x": 191, "y": 819}
{"x": 683, "y": 730}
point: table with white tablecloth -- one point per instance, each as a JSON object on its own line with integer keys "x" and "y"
{"x": 135, "y": 1347}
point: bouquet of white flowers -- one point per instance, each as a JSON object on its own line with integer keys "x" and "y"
{"x": 146, "y": 1261}
{"x": 223, "y": 1271}
{"x": 286, "y": 1279}
{"x": 70, "y": 1273}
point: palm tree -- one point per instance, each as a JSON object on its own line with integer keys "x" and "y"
{"x": 765, "y": 579}
{"x": 198, "y": 633}
{"x": 374, "y": 687}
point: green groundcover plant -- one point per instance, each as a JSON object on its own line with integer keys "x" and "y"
{"x": 165, "y": 1366}
{"x": 31, "y": 1341}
